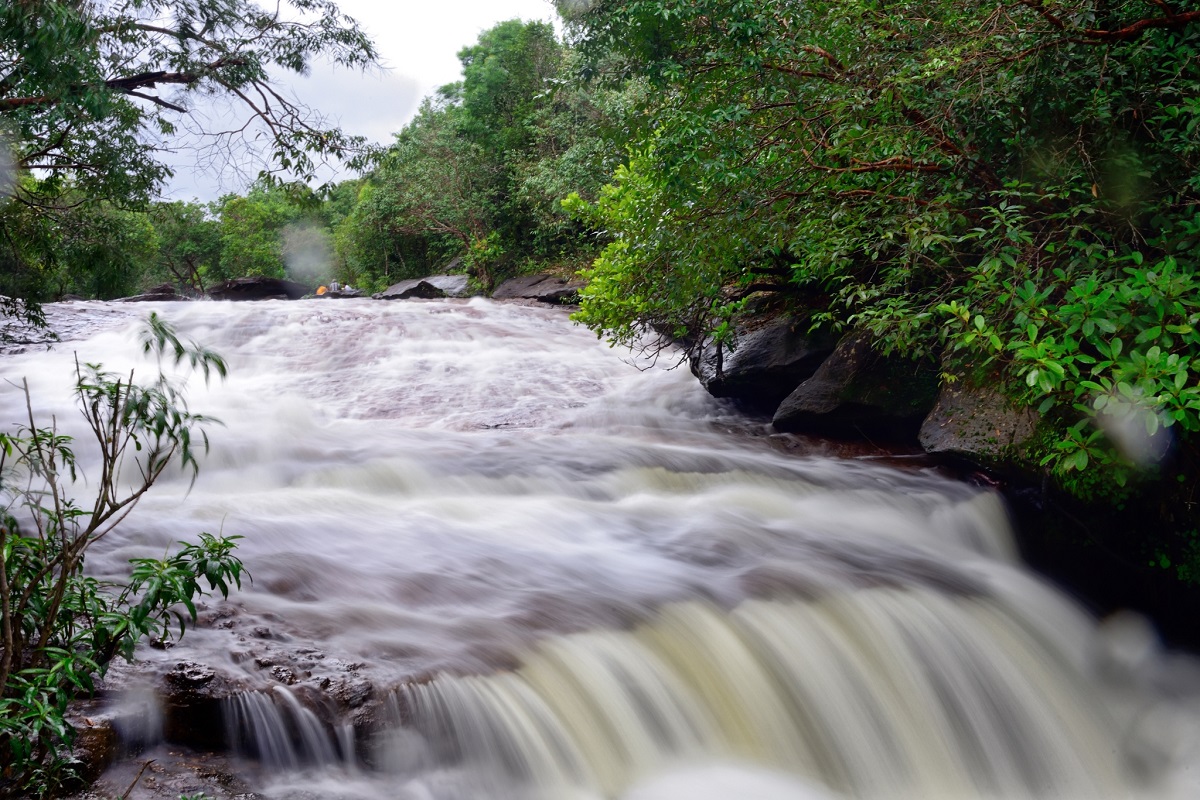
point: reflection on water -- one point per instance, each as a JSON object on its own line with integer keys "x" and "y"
{"x": 536, "y": 568}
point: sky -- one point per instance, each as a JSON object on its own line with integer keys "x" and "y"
{"x": 418, "y": 43}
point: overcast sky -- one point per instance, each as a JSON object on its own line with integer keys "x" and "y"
{"x": 418, "y": 44}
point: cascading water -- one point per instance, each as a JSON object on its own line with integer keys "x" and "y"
{"x": 522, "y": 565}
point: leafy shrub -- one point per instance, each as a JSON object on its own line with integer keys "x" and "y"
{"x": 61, "y": 627}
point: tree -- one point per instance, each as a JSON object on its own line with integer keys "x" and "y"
{"x": 92, "y": 92}
{"x": 434, "y": 184}
{"x": 81, "y": 85}
{"x": 93, "y": 249}
{"x": 251, "y": 234}
{"x": 1007, "y": 188}
{"x": 481, "y": 171}
{"x": 189, "y": 244}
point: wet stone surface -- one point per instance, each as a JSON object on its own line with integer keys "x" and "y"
{"x": 166, "y": 773}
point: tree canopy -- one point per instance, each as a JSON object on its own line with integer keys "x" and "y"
{"x": 94, "y": 93}
{"x": 91, "y": 91}
{"x": 1009, "y": 187}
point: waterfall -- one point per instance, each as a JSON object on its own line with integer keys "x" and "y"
{"x": 282, "y": 732}
{"x": 493, "y": 557}
{"x": 875, "y": 693}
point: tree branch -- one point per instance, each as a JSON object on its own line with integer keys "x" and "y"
{"x": 1170, "y": 20}
{"x": 128, "y": 85}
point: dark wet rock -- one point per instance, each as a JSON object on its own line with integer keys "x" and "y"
{"x": 167, "y": 773}
{"x": 284, "y": 675}
{"x": 857, "y": 391}
{"x": 342, "y": 292}
{"x": 769, "y": 361}
{"x": 975, "y": 421}
{"x": 452, "y": 285}
{"x": 162, "y": 293}
{"x": 192, "y": 694}
{"x": 543, "y": 288}
{"x": 352, "y": 692}
{"x": 258, "y": 289}
{"x": 189, "y": 675}
{"x": 96, "y": 744}
{"x": 429, "y": 288}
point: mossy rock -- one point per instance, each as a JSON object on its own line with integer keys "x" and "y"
{"x": 975, "y": 420}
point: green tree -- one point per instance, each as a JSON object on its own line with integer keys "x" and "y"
{"x": 431, "y": 196}
{"x": 1007, "y": 187}
{"x": 81, "y": 84}
{"x": 90, "y": 249}
{"x": 91, "y": 94}
{"x": 481, "y": 171}
{"x": 251, "y": 237}
{"x": 189, "y": 245}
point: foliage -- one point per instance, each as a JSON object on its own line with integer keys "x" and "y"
{"x": 60, "y": 626}
{"x": 434, "y": 182}
{"x": 189, "y": 245}
{"x": 77, "y": 82}
{"x": 87, "y": 249}
{"x": 481, "y": 170}
{"x": 251, "y": 234}
{"x": 1013, "y": 186}
{"x": 85, "y": 116}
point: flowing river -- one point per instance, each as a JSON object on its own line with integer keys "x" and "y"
{"x": 494, "y": 558}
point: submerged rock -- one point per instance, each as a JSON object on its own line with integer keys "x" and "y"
{"x": 341, "y": 292}
{"x": 543, "y": 288}
{"x": 857, "y": 391}
{"x": 430, "y": 287}
{"x": 163, "y": 293}
{"x": 770, "y": 360}
{"x": 258, "y": 289}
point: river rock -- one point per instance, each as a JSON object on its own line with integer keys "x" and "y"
{"x": 192, "y": 695}
{"x": 767, "y": 364}
{"x": 975, "y": 421}
{"x": 428, "y": 287}
{"x": 258, "y": 288}
{"x": 96, "y": 743}
{"x": 341, "y": 292}
{"x": 543, "y": 288}
{"x": 857, "y": 391}
{"x": 164, "y": 292}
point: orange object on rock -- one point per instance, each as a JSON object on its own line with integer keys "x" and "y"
{"x": 322, "y": 290}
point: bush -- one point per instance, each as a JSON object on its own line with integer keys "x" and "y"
{"x": 61, "y": 627}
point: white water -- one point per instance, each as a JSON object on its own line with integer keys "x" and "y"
{"x": 604, "y": 583}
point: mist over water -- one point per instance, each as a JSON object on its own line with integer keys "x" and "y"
{"x": 564, "y": 573}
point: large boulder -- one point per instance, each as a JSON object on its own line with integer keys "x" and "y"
{"x": 543, "y": 288}
{"x": 768, "y": 362}
{"x": 974, "y": 420}
{"x": 856, "y": 391}
{"x": 427, "y": 288}
{"x": 258, "y": 288}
